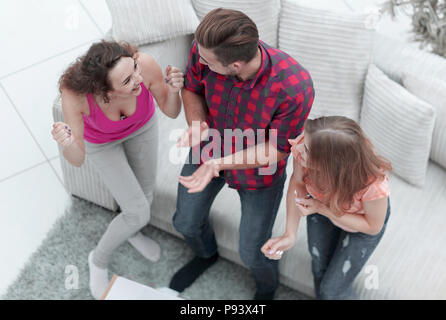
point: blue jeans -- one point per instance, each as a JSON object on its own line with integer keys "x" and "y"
{"x": 259, "y": 209}
{"x": 337, "y": 256}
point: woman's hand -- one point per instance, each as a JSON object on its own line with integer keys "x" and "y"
{"x": 62, "y": 134}
{"x": 201, "y": 178}
{"x": 174, "y": 79}
{"x": 309, "y": 206}
{"x": 274, "y": 247}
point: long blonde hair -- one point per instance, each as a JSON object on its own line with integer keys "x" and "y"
{"x": 341, "y": 160}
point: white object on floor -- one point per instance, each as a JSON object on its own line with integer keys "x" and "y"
{"x": 124, "y": 289}
{"x": 146, "y": 246}
{"x": 168, "y": 291}
{"x": 98, "y": 278}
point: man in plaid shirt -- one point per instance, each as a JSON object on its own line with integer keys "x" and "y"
{"x": 235, "y": 81}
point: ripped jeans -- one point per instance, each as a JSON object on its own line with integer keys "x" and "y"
{"x": 337, "y": 256}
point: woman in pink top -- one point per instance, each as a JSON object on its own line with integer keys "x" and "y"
{"x": 341, "y": 184}
{"x": 110, "y": 115}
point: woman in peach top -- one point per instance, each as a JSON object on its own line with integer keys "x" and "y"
{"x": 340, "y": 183}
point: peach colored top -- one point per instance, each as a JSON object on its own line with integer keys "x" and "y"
{"x": 378, "y": 189}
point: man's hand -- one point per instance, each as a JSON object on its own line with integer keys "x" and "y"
{"x": 194, "y": 134}
{"x": 201, "y": 178}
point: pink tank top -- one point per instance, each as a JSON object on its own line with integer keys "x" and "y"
{"x": 100, "y": 129}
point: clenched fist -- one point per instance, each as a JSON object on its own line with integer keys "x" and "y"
{"x": 174, "y": 79}
{"x": 62, "y": 134}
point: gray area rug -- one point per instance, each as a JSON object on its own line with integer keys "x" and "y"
{"x": 77, "y": 232}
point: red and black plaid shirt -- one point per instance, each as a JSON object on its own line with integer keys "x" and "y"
{"x": 279, "y": 97}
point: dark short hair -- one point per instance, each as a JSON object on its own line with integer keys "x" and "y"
{"x": 89, "y": 73}
{"x": 230, "y": 34}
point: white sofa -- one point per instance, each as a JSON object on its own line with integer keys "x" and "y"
{"x": 410, "y": 261}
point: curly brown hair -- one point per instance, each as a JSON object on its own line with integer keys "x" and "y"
{"x": 89, "y": 73}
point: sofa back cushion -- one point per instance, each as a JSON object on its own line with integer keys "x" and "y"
{"x": 174, "y": 52}
{"x": 432, "y": 91}
{"x": 396, "y": 58}
{"x": 398, "y": 124}
{"x": 264, "y": 13}
{"x": 335, "y": 48}
{"x": 147, "y": 21}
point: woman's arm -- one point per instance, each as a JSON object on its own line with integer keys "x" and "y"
{"x": 370, "y": 223}
{"x": 296, "y": 188}
{"x": 166, "y": 94}
{"x": 286, "y": 241}
{"x": 74, "y": 148}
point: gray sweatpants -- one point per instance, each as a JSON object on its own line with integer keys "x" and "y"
{"x": 128, "y": 168}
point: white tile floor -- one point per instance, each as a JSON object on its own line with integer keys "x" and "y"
{"x": 43, "y": 37}
{"x": 39, "y": 39}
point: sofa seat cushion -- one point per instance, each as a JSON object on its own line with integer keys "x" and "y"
{"x": 410, "y": 259}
